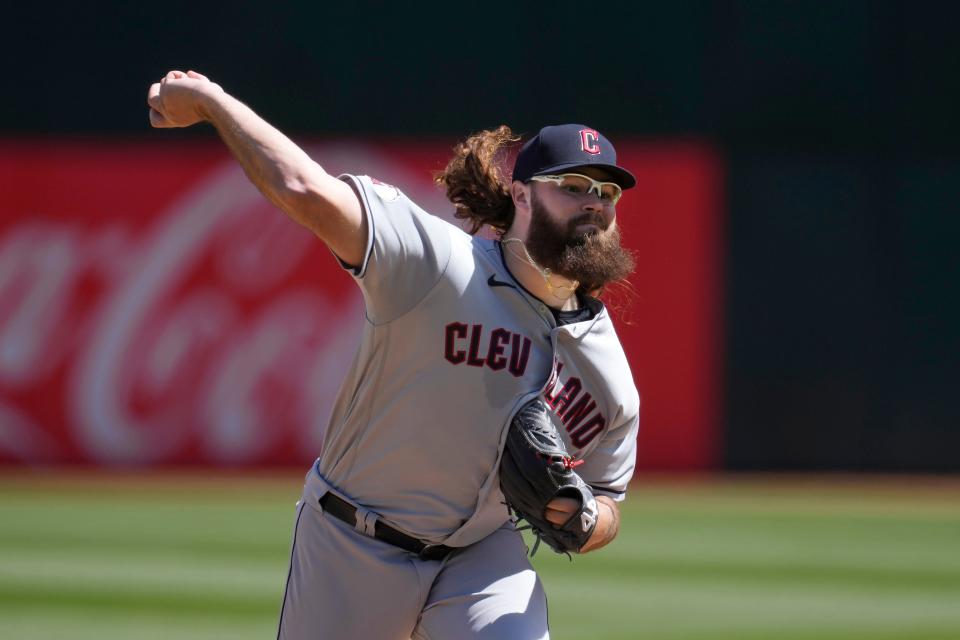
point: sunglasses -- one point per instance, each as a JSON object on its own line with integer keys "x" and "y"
{"x": 579, "y": 184}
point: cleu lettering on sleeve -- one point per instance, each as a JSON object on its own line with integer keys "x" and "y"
{"x": 499, "y": 349}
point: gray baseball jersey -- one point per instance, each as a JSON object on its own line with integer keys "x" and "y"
{"x": 452, "y": 347}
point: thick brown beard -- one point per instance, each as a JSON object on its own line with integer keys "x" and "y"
{"x": 595, "y": 259}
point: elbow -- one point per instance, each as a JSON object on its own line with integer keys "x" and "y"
{"x": 304, "y": 199}
{"x": 296, "y": 185}
{"x": 294, "y": 191}
{"x": 326, "y": 206}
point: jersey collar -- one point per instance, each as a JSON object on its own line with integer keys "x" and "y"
{"x": 576, "y": 330}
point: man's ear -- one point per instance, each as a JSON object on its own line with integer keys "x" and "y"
{"x": 518, "y": 191}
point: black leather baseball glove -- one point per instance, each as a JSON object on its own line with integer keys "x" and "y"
{"x": 534, "y": 470}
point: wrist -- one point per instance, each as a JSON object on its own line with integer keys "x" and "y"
{"x": 208, "y": 101}
{"x": 608, "y": 524}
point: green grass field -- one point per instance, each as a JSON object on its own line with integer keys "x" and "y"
{"x": 185, "y": 556}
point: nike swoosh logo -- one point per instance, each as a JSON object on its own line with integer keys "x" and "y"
{"x": 493, "y": 282}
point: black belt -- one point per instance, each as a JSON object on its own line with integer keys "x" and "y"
{"x": 343, "y": 510}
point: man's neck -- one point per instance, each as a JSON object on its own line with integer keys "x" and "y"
{"x": 553, "y": 290}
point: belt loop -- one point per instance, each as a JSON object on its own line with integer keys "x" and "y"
{"x": 366, "y": 521}
{"x": 318, "y": 485}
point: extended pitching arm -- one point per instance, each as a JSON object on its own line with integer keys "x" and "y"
{"x": 281, "y": 170}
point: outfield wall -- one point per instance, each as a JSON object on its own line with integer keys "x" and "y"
{"x": 154, "y": 309}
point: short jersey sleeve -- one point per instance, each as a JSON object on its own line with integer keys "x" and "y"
{"x": 406, "y": 254}
{"x": 609, "y": 467}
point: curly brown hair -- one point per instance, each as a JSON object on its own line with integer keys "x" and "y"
{"x": 476, "y": 180}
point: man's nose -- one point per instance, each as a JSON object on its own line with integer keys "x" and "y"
{"x": 593, "y": 204}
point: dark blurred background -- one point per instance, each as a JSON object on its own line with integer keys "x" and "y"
{"x": 836, "y": 123}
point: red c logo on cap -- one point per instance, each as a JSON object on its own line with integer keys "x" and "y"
{"x": 589, "y": 141}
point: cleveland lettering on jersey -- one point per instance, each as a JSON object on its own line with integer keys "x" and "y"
{"x": 575, "y": 407}
{"x": 466, "y": 344}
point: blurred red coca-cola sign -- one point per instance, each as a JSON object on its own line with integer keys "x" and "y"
{"x": 155, "y": 309}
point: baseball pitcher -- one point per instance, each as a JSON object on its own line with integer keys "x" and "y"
{"x": 489, "y": 391}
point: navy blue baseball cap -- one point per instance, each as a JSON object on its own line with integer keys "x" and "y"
{"x": 565, "y": 147}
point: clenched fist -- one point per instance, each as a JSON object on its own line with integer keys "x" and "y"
{"x": 177, "y": 100}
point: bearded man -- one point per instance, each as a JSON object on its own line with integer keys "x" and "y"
{"x": 402, "y": 531}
